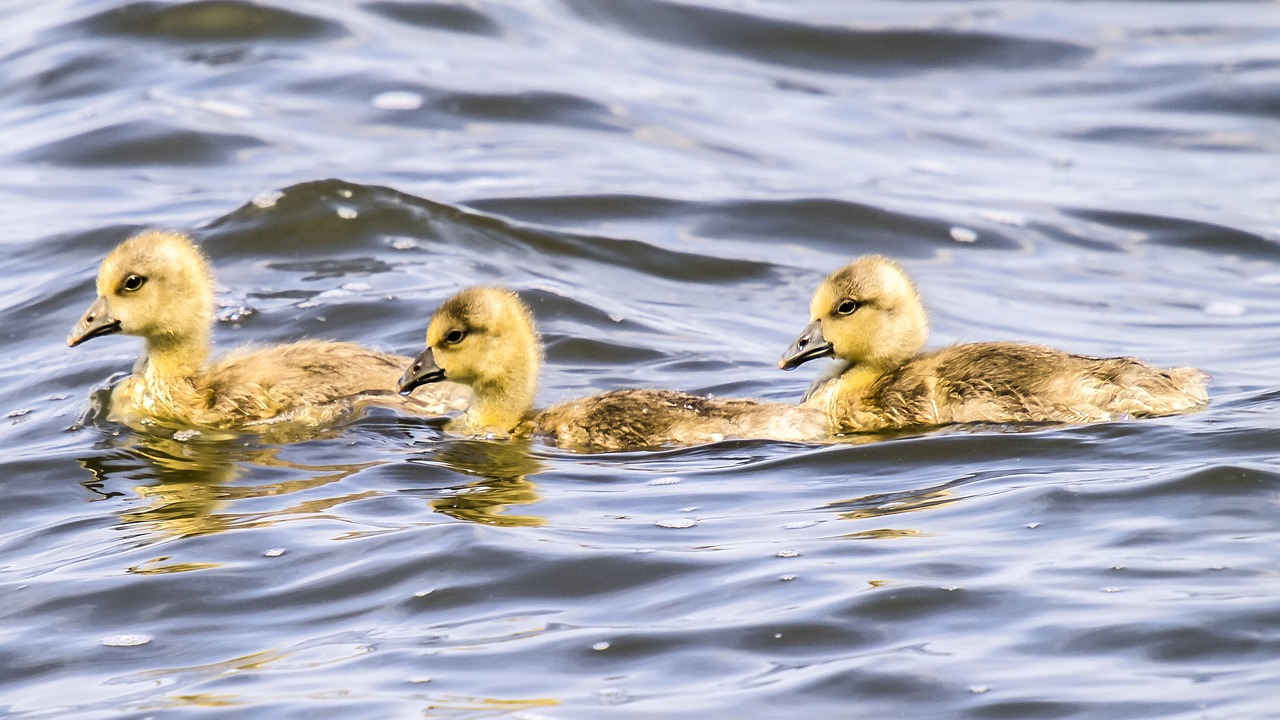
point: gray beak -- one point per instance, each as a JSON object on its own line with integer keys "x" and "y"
{"x": 423, "y": 370}
{"x": 95, "y": 322}
{"x": 810, "y": 345}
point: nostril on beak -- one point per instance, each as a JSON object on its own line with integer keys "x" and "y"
{"x": 89, "y": 318}
{"x": 417, "y": 367}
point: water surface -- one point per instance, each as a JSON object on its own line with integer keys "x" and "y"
{"x": 665, "y": 183}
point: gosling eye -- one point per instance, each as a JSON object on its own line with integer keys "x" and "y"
{"x": 454, "y": 337}
{"x": 132, "y": 283}
{"x": 847, "y": 307}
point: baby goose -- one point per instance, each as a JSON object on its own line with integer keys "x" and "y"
{"x": 486, "y": 338}
{"x": 158, "y": 285}
{"x": 869, "y": 316}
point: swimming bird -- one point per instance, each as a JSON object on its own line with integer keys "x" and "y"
{"x": 869, "y": 316}
{"x": 158, "y": 285}
{"x": 486, "y": 338}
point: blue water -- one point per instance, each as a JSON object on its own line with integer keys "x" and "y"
{"x": 665, "y": 183}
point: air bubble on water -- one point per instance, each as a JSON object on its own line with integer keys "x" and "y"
{"x": 225, "y": 109}
{"x": 933, "y": 166}
{"x": 963, "y": 234}
{"x": 402, "y": 243}
{"x": 787, "y": 553}
{"x": 600, "y": 646}
{"x": 799, "y": 525}
{"x": 237, "y": 313}
{"x": 612, "y": 696}
{"x": 397, "y": 100}
{"x": 344, "y": 192}
{"x": 267, "y": 199}
{"x": 1111, "y": 590}
{"x": 357, "y": 287}
{"x": 689, "y": 509}
{"x": 664, "y": 481}
{"x": 126, "y": 640}
{"x": 1219, "y": 308}
{"x": 273, "y": 552}
{"x": 1032, "y": 526}
{"x": 18, "y": 413}
{"x": 788, "y": 578}
{"x": 420, "y": 679}
{"x": 424, "y": 593}
{"x": 347, "y": 213}
{"x": 1003, "y": 218}
{"x": 677, "y": 523}
{"x": 979, "y": 689}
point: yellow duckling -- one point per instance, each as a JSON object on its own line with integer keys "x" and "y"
{"x": 869, "y": 316}
{"x": 158, "y": 285}
{"x": 486, "y": 338}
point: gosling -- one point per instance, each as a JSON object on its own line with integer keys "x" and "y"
{"x": 158, "y": 285}
{"x": 486, "y": 338}
{"x": 869, "y": 316}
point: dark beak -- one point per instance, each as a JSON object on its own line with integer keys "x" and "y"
{"x": 423, "y": 370}
{"x": 810, "y": 345}
{"x": 96, "y": 322}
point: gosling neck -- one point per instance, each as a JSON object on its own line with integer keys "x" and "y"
{"x": 177, "y": 356}
{"x": 857, "y": 379}
{"x": 498, "y": 405}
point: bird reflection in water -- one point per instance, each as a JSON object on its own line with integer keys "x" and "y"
{"x": 190, "y": 486}
{"x": 502, "y": 468}
{"x": 880, "y": 505}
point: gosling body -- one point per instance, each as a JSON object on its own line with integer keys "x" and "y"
{"x": 158, "y": 285}
{"x": 634, "y": 419}
{"x": 486, "y": 338}
{"x": 869, "y": 316}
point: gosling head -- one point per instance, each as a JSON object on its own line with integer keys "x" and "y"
{"x": 156, "y": 285}
{"x": 483, "y": 337}
{"x": 867, "y": 313}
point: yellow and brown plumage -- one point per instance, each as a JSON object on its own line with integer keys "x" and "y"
{"x": 158, "y": 285}
{"x": 869, "y": 316}
{"x": 486, "y": 338}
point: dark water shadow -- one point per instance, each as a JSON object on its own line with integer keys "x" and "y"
{"x": 823, "y": 223}
{"x": 304, "y": 215}
{"x": 437, "y": 16}
{"x": 142, "y": 142}
{"x": 828, "y": 48}
{"x": 210, "y": 21}
{"x": 1183, "y": 233}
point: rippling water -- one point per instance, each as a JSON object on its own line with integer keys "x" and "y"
{"x": 665, "y": 183}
